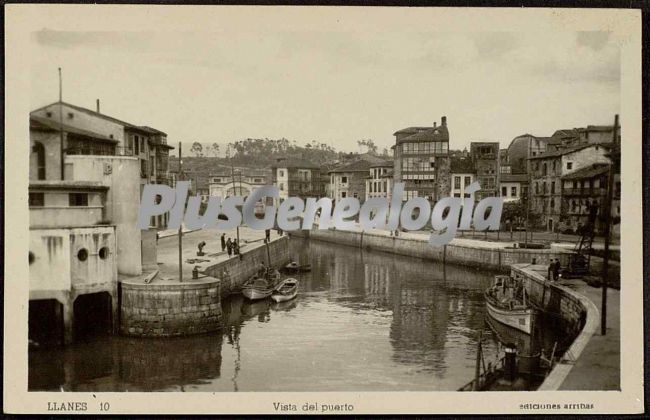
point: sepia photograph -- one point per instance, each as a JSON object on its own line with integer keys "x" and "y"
{"x": 350, "y": 200}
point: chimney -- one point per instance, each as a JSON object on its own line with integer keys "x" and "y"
{"x": 98, "y": 106}
{"x": 443, "y": 122}
{"x": 435, "y": 124}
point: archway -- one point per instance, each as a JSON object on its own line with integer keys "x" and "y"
{"x": 93, "y": 315}
{"x": 45, "y": 323}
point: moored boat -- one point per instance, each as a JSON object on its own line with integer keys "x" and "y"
{"x": 294, "y": 267}
{"x": 286, "y": 290}
{"x": 260, "y": 287}
{"x": 507, "y": 302}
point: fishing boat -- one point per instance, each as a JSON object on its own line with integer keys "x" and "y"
{"x": 507, "y": 302}
{"x": 260, "y": 287}
{"x": 294, "y": 267}
{"x": 286, "y": 290}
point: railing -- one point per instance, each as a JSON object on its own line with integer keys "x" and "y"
{"x": 584, "y": 191}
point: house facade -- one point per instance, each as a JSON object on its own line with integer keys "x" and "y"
{"x": 547, "y": 171}
{"x": 485, "y": 157}
{"x": 379, "y": 180}
{"x": 422, "y": 162}
{"x": 296, "y": 178}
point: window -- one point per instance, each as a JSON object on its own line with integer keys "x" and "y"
{"x": 344, "y": 179}
{"x": 344, "y": 194}
{"x": 49, "y": 114}
{"x": 457, "y": 195}
{"x": 36, "y": 199}
{"x": 569, "y": 166}
{"x": 78, "y": 199}
{"x": 258, "y": 180}
{"x": 142, "y": 150}
{"x": 513, "y": 191}
{"x": 544, "y": 169}
{"x": 457, "y": 182}
{"x": 143, "y": 168}
{"x": 82, "y": 254}
{"x": 553, "y": 187}
{"x": 355, "y": 195}
{"x": 468, "y": 180}
{"x": 216, "y": 180}
{"x": 103, "y": 253}
{"x": 137, "y": 144}
{"x": 504, "y": 191}
{"x": 31, "y": 257}
{"x": 537, "y": 188}
{"x": 70, "y": 115}
{"x": 281, "y": 173}
{"x": 39, "y": 149}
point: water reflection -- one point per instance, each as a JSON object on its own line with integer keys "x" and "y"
{"x": 362, "y": 321}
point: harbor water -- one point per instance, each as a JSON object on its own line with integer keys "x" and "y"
{"x": 362, "y": 321}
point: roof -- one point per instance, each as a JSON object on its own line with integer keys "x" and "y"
{"x": 410, "y": 130}
{"x": 588, "y": 171}
{"x": 561, "y": 152}
{"x": 292, "y": 162}
{"x": 439, "y": 133}
{"x": 460, "y": 165}
{"x": 356, "y": 166}
{"x": 383, "y": 164}
{"x": 40, "y": 123}
{"x": 513, "y": 178}
{"x": 104, "y": 116}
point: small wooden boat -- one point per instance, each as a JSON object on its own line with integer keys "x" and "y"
{"x": 286, "y": 290}
{"x": 294, "y": 267}
{"x": 506, "y": 301}
{"x": 260, "y": 287}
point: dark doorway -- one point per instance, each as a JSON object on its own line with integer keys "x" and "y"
{"x": 93, "y": 315}
{"x": 45, "y": 324}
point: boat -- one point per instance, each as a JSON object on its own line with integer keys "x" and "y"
{"x": 286, "y": 290}
{"x": 294, "y": 267}
{"x": 260, "y": 287}
{"x": 507, "y": 302}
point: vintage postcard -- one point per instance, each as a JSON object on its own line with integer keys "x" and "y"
{"x": 322, "y": 210}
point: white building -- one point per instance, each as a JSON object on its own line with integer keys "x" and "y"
{"x": 380, "y": 181}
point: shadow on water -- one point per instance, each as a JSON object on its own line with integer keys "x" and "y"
{"x": 363, "y": 320}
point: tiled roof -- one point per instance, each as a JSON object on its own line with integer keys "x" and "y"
{"x": 356, "y": 166}
{"x": 431, "y": 134}
{"x": 513, "y": 178}
{"x": 565, "y": 151}
{"x": 410, "y": 130}
{"x": 383, "y": 164}
{"x": 588, "y": 171}
{"x": 40, "y": 123}
{"x": 294, "y": 163}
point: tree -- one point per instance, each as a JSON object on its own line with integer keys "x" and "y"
{"x": 369, "y": 145}
{"x": 197, "y": 149}
{"x": 385, "y": 153}
{"x": 214, "y": 148}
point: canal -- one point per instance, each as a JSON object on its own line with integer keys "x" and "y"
{"x": 362, "y": 321}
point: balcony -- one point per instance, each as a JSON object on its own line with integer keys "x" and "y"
{"x": 584, "y": 191}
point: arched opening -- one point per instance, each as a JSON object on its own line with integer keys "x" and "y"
{"x": 39, "y": 150}
{"x": 93, "y": 315}
{"x": 45, "y": 323}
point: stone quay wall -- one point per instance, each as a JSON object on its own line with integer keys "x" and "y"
{"x": 234, "y": 271}
{"x": 580, "y": 316}
{"x": 459, "y": 251}
{"x": 165, "y": 310}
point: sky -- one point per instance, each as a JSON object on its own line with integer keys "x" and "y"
{"x": 332, "y": 86}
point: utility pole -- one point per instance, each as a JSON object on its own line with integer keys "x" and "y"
{"x": 614, "y": 156}
{"x": 234, "y": 186}
{"x": 180, "y": 229}
{"x": 530, "y": 193}
{"x": 61, "y": 124}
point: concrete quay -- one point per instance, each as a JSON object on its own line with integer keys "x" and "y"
{"x": 163, "y": 305}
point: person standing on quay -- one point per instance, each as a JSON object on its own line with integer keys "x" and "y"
{"x": 556, "y": 269}
{"x": 229, "y": 247}
{"x": 235, "y": 246}
{"x": 223, "y": 242}
{"x": 267, "y": 233}
{"x": 551, "y": 270}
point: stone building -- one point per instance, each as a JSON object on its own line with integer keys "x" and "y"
{"x": 296, "y": 178}
{"x": 485, "y": 157}
{"x": 583, "y": 188}
{"x": 591, "y": 134}
{"x": 422, "y": 162}
{"x": 88, "y": 132}
{"x": 349, "y": 180}
{"x": 380, "y": 179}
{"x": 522, "y": 148}
{"x": 547, "y": 170}
{"x": 513, "y": 186}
